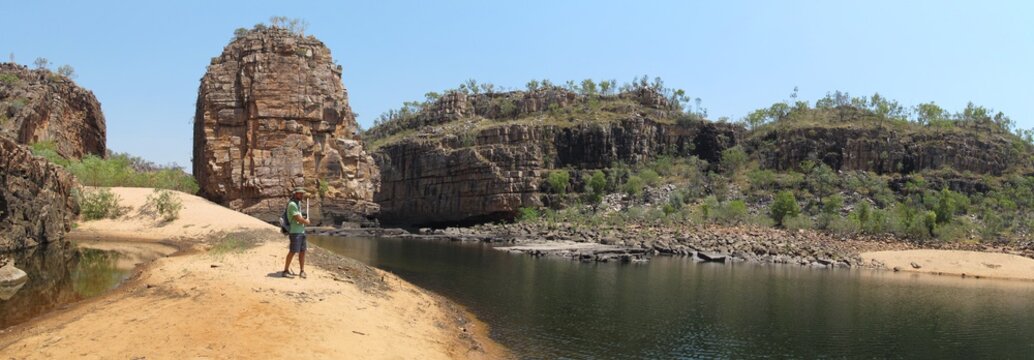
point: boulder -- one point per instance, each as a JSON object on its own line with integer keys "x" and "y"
{"x": 272, "y": 114}
{"x": 11, "y": 276}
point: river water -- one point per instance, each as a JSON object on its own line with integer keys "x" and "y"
{"x": 65, "y": 273}
{"x": 677, "y": 308}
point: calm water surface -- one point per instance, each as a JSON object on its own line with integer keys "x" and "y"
{"x": 59, "y": 274}
{"x": 676, "y": 308}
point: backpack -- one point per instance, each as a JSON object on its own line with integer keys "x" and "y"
{"x": 285, "y": 222}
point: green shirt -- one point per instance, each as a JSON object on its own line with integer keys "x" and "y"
{"x": 292, "y": 210}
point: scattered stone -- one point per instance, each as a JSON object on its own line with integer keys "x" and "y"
{"x": 713, "y": 257}
{"x": 915, "y": 265}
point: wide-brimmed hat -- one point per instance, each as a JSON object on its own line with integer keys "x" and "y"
{"x": 299, "y": 190}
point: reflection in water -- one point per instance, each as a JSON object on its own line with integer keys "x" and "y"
{"x": 675, "y": 308}
{"x": 97, "y": 272}
{"x": 60, "y": 274}
{"x": 8, "y": 291}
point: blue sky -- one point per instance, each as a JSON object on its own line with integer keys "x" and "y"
{"x": 144, "y": 61}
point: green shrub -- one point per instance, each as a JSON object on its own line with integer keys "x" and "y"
{"x": 954, "y": 232}
{"x": 117, "y": 170}
{"x": 832, "y": 204}
{"x": 663, "y": 165}
{"x": 733, "y": 159}
{"x": 761, "y": 179}
{"x": 708, "y": 208}
{"x": 844, "y": 225}
{"x": 48, "y": 150}
{"x": 324, "y": 188}
{"x": 650, "y": 177}
{"x": 165, "y": 204}
{"x": 784, "y": 205}
{"x": 616, "y": 177}
{"x": 947, "y": 205}
{"x": 227, "y": 245}
{"x": 527, "y": 214}
{"x": 100, "y": 204}
{"x": 558, "y": 181}
{"x": 732, "y": 212}
{"x": 669, "y": 209}
{"x": 596, "y": 187}
{"x": 719, "y": 185}
{"x": 930, "y": 222}
{"x": 798, "y": 222}
{"x": 633, "y": 186}
{"x": 9, "y": 79}
{"x": 598, "y": 182}
{"x": 17, "y": 104}
{"x": 468, "y": 139}
{"x": 994, "y": 224}
{"x": 507, "y": 108}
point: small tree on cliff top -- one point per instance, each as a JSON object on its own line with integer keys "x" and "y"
{"x": 41, "y": 63}
{"x": 295, "y": 25}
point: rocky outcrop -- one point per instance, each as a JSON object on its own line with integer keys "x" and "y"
{"x": 886, "y": 150}
{"x": 456, "y": 105}
{"x": 272, "y": 114}
{"x": 497, "y": 170}
{"x": 36, "y": 199}
{"x": 38, "y": 105}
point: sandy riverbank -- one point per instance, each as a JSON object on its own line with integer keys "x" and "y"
{"x": 957, "y": 263}
{"x": 222, "y": 298}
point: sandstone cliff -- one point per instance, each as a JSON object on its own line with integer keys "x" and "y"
{"x": 887, "y": 149}
{"x": 272, "y": 114}
{"x": 481, "y": 158}
{"x": 38, "y": 105}
{"x": 37, "y": 203}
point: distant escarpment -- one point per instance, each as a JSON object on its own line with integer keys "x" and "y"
{"x": 37, "y": 204}
{"x": 272, "y": 114}
{"x": 39, "y": 105}
{"x": 864, "y": 143}
{"x": 468, "y": 158}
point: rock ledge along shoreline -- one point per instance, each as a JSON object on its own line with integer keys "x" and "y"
{"x": 728, "y": 245}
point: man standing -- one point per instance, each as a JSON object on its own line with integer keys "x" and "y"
{"x": 296, "y": 233}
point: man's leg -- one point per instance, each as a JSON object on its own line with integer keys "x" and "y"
{"x": 302, "y": 247}
{"x": 287, "y": 265}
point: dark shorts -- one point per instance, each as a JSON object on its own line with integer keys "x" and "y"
{"x": 298, "y": 243}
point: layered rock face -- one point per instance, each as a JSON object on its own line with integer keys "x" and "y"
{"x": 38, "y": 105}
{"x": 449, "y": 180}
{"x": 272, "y": 114}
{"x": 885, "y": 151}
{"x": 37, "y": 203}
